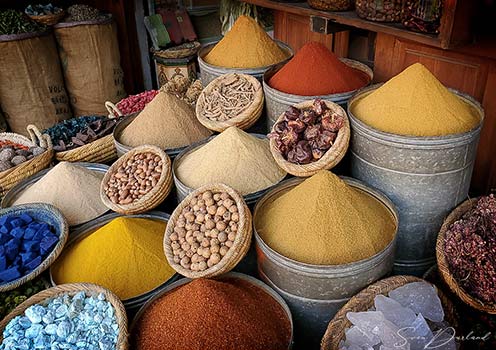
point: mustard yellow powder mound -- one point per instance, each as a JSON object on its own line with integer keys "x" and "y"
{"x": 235, "y": 158}
{"x": 246, "y": 45}
{"x": 325, "y": 221}
{"x": 415, "y": 103}
{"x": 124, "y": 256}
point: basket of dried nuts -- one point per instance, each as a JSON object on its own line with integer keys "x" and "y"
{"x": 209, "y": 232}
{"x": 310, "y": 136}
{"x": 232, "y": 99}
{"x": 138, "y": 181}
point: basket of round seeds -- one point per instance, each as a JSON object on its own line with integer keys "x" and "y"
{"x": 232, "y": 99}
{"x": 138, "y": 181}
{"x": 399, "y": 312}
{"x": 21, "y": 157}
{"x": 209, "y": 232}
{"x": 65, "y": 315}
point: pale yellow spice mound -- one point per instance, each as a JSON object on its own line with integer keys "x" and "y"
{"x": 166, "y": 122}
{"x": 246, "y": 45}
{"x": 415, "y": 103}
{"x": 234, "y": 158}
{"x": 324, "y": 221}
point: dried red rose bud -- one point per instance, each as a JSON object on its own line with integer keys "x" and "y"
{"x": 289, "y": 137}
{"x": 303, "y": 152}
{"x": 280, "y": 126}
{"x": 326, "y": 139}
{"x": 308, "y": 117}
{"x": 281, "y": 147}
{"x": 297, "y": 125}
{"x": 332, "y": 121}
{"x": 317, "y": 153}
{"x": 292, "y": 113}
{"x": 291, "y": 156}
{"x": 312, "y": 132}
{"x": 319, "y": 106}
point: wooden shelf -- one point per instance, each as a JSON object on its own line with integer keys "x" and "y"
{"x": 350, "y": 18}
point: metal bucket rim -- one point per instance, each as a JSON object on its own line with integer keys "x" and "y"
{"x": 312, "y": 269}
{"x": 248, "y": 197}
{"x": 341, "y": 95}
{"x": 419, "y": 140}
{"x": 123, "y": 123}
{"x": 206, "y": 49}
{"x": 90, "y": 227}
{"x": 260, "y": 284}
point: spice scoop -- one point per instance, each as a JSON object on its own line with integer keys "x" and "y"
{"x": 138, "y": 181}
{"x": 209, "y": 232}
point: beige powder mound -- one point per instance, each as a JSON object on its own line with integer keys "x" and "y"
{"x": 166, "y": 122}
{"x": 73, "y": 189}
{"x": 235, "y": 158}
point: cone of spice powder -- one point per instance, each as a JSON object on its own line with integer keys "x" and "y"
{"x": 246, "y": 45}
{"x": 235, "y": 158}
{"x": 208, "y": 314}
{"x": 315, "y": 71}
{"x": 166, "y": 122}
{"x": 325, "y": 221}
{"x": 415, "y": 103}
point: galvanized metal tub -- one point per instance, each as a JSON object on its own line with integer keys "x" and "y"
{"x": 322, "y": 282}
{"x": 277, "y": 102}
{"x": 122, "y": 148}
{"x": 15, "y": 191}
{"x": 209, "y": 72}
{"x": 183, "y": 281}
{"x": 426, "y": 177}
{"x": 182, "y": 190}
{"x": 132, "y": 304}
{"x": 310, "y": 316}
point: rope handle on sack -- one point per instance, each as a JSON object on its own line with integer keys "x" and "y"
{"x": 112, "y": 109}
{"x": 43, "y": 140}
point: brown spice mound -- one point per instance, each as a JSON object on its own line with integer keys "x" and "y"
{"x": 211, "y": 314}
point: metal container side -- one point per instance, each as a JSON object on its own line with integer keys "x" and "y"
{"x": 323, "y": 282}
{"x": 209, "y": 72}
{"x": 122, "y": 148}
{"x": 85, "y": 230}
{"x": 426, "y": 177}
{"x": 166, "y": 289}
{"x": 277, "y": 102}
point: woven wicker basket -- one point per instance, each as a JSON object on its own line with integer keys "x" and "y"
{"x": 329, "y": 160}
{"x": 331, "y": 5}
{"x": 49, "y": 20}
{"x": 243, "y": 120}
{"x": 150, "y": 200}
{"x": 442, "y": 263}
{"x": 364, "y": 300}
{"x": 181, "y": 51}
{"x": 241, "y": 242}
{"x": 99, "y": 151}
{"x": 113, "y": 110}
{"x": 72, "y": 289}
{"x": 11, "y": 177}
{"x": 46, "y": 213}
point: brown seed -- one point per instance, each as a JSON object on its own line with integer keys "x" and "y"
{"x": 222, "y": 237}
{"x": 221, "y": 226}
{"x": 223, "y": 250}
{"x": 231, "y": 236}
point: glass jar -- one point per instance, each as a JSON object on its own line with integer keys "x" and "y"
{"x": 380, "y": 10}
{"x": 423, "y": 15}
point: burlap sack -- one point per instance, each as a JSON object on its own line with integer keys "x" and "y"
{"x": 90, "y": 58}
{"x": 31, "y": 83}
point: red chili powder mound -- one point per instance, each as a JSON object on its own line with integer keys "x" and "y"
{"x": 211, "y": 315}
{"x": 315, "y": 70}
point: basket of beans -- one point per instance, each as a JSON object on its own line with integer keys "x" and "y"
{"x": 138, "y": 181}
{"x": 21, "y": 157}
{"x": 84, "y": 139}
{"x": 209, "y": 232}
{"x": 230, "y": 100}
{"x": 310, "y": 136}
{"x": 466, "y": 252}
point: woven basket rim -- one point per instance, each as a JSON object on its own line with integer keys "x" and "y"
{"x": 246, "y": 118}
{"x": 62, "y": 231}
{"x": 239, "y": 247}
{"x": 336, "y": 327}
{"x": 442, "y": 263}
{"x": 72, "y": 289}
{"x": 154, "y": 197}
{"x": 95, "y": 151}
{"x": 330, "y": 158}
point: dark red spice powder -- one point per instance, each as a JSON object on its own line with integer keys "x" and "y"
{"x": 315, "y": 70}
{"x": 214, "y": 314}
